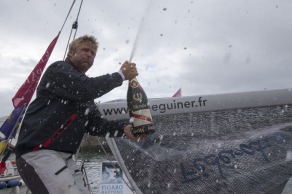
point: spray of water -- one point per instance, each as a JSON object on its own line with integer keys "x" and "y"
{"x": 139, "y": 32}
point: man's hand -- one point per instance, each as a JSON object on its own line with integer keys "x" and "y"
{"x": 129, "y": 134}
{"x": 129, "y": 70}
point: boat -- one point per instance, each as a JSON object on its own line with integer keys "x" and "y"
{"x": 221, "y": 143}
{"x": 12, "y": 185}
{"x": 10, "y": 180}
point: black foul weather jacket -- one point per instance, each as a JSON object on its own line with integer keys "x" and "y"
{"x": 64, "y": 110}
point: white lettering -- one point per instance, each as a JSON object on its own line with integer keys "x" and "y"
{"x": 46, "y": 57}
{"x": 140, "y": 106}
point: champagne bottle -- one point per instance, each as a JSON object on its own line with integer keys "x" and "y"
{"x": 139, "y": 109}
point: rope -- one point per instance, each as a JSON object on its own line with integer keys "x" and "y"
{"x": 67, "y": 15}
{"x": 76, "y": 22}
{"x": 74, "y": 26}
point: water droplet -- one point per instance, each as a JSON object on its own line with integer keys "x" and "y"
{"x": 48, "y": 84}
{"x": 131, "y": 120}
{"x": 86, "y": 111}
{"x": 116, "y": 133}
{"x": 289, "y": 156}
{"x": 239, "y": 111}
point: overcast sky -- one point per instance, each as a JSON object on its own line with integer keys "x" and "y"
{"x": 202, "y": 46}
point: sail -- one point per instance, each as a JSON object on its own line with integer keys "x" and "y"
{"x": 226, "y": 143}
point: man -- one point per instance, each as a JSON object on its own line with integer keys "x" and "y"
{"x": 62, "y": 112}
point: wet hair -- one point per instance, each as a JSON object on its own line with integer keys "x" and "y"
{"x": 76, "y": 42}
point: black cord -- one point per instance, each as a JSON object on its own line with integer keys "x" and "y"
{"x": 67, "y": 15}
{"x": 74, "y": 27}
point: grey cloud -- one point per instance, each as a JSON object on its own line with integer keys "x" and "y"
{"x": 202, "y": 46}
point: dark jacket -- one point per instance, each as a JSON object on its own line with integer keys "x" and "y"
{"x": 64, "y": 110}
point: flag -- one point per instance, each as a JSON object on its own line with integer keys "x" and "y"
{"x": 26, "y": 91}
{"x": 12, "y": 122}
{"x": 178, "y": 93}
{"x": 22, "y": 99}
{"x": 10, "y": 126}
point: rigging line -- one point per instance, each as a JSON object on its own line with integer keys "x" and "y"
{"x": 68, "y": 42}
{"x": 107, "y": 154}
{"x": 74, "y": 26}
{"x": 67, "y": 15}
{"x": 77, "y": 18}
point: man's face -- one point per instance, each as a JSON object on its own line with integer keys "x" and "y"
{"x": 83, "y": 57}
